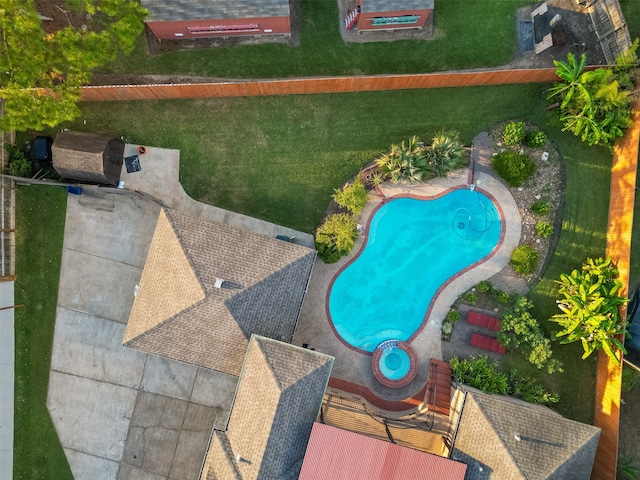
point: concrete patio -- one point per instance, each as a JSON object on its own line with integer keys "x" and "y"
{"x": 121, "y": 413}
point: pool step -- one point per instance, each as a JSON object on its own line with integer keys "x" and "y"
{"x": 442, "y": 401}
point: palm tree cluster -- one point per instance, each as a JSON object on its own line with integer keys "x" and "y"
{"x": 595, "y": 105}
{"x": 590, "y": 301}
{"x": 411, "y": 161}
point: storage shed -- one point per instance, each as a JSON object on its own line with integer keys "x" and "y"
{"x": 178, "y": 19}
{"x": 393, "y": 14}
{"x": 89, "y": 157}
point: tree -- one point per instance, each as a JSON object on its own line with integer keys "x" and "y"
{"x": 594, "y": 106}
{"x": 336, "y": 237}
{"x": 43, "y": 72}
{"x": 352, "y": 196}
{"x": 519, "y": 330}
{"x": 445, "y": 152}
{"x": 589, "y": 301}
{"x": 405, "y": 162}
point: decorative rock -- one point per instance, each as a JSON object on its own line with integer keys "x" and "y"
{"x": 545, "y": 156}
{"x": 519, "y": 189}
{"x": 537, "y": 240}
{"x": 538, "y": 197}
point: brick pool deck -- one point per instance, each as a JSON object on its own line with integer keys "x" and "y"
{"x": 315, "y": 329}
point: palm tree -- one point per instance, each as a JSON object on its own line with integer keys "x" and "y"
{"x": 405, "y": 162}
{"x": 594, "y": 106}
{"x": 571, "y": 72}
{"x": 591, "y": 298}
{"x": 445, "y": 153}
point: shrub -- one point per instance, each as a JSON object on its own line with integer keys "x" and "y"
{"x": 445, "y": 152}
{"x": 479, "y": 373}
{"x": 544, "y": 229}
{"x": 535, "y": 139}
{"x": 18, "y": 165}
{"x": 540, "y": 207}
{"x": 529, "y": 390}
{"x": 503, "y": 297}
{"x": 336, "y": 237}
{"x": 405, "y": 162}
{"x": 513, "y": 167}
{"x": 484, "y": 286}
{"x": 352, "y": 196}
{"x": 519, "y": 330}
{"x": 513, "y": 133}
{"x": 453, "y": 316}
{"x": 524, "y": 260}
{"x": 469, "y": 297}
{"x": 447, "y": 328}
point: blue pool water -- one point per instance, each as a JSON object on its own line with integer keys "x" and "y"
{"x": 414, "y": 246}
{"x": 394, "y": 363}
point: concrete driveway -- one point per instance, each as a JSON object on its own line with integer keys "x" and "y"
{"x": 121, "y": 413}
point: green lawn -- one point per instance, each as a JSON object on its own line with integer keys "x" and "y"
{"x": 470, "y": 34}
{"x": 279, "y": 158}
{"x": 631, "y": 12}
{"x": 40, "y": 215}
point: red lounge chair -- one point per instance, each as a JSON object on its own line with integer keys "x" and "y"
{"x": 482, "y": 320}
{"x": 486, "y": 343}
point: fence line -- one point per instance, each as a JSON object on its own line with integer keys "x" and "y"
{"x": 295, "y": 86}
{"x": 619, "y": 231}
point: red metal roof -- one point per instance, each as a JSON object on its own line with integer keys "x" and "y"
{"x": 343, "y": 455}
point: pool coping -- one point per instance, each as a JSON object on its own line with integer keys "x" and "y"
{"x": 441, "y": 288}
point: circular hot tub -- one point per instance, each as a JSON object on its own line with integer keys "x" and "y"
{"x": 394, "y": 364}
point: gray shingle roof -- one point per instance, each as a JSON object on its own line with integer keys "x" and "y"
{"x": 374, "y": 6}
{"x": 549, "y": 446}
{"x": 278, "y": 398}
{"x": 180, "y": 314}
{"x": 176, "y": 10}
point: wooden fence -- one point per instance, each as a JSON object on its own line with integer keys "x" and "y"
{"x": 295, "y": 86}
{"x": 619, "y": 230}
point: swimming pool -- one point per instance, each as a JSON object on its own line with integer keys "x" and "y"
{"x": 413, "y": 247}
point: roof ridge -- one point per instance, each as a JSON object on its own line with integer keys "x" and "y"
{"x": 178, "y": 234}
{"x": 493, "y": 428}
{"x": 161, "y": 297}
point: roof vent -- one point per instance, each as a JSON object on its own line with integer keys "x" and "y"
{"x": 517, "y": 437}
{"x": 219, "y": 282}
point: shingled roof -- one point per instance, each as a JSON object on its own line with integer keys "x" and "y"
{"x": 277, "y": 401}
{"x": 180, "y": 313}
{"x": 177, "y": 10}
{"x": 500, "y": 438}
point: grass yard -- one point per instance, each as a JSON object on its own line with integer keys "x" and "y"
{"x": 631, "y": 12}
{"x": 279, "y": 158}
{"x": 469, "y": 35}
{"x": 40, "y": 216}
{"x": 247, "y": 155}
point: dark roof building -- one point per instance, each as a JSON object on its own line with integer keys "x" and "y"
{"x": 336, "y": 453}
{"x": 176, "y": 19}
{"x": 206, "y": 287}
{"x": 499, "y": 437}
{"x": 277, "y": 402}
{"x": 393, "y": 14}
{"x": 89, "y": 157}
